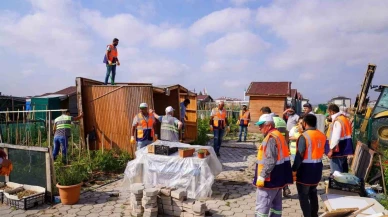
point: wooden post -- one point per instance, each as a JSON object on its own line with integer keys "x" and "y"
{"x": 80, "y": 110}
{"x": 49, "y": 130}
{"x": 87, "y": 145}
{"x": 13, "y": 109}
{"x": 48, "y": 175}
{"x": 6, "y": 152}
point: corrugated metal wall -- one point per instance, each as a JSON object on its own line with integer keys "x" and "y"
{"x": 112, "y": 114}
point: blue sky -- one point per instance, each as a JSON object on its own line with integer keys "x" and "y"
{"x": 322, "y": 47}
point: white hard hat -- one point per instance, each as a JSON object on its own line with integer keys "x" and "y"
{"x": 169, "y": 109}
{"x": 143, "y": 105}
{"x": 264, "y": 118}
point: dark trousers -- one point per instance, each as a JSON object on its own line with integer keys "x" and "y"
{"x": 109, "y": 69}
{"x": 245, "y": 130}
{"x": 308, "y": 199}
{"x": 218, "y": 134}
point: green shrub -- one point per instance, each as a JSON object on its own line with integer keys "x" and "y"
{"x": 203, "y": 130}
{"x": 110, "y": 160}
{"x": 72, "y": 174}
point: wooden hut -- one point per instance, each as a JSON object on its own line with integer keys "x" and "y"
{"x": 109, "y": 110}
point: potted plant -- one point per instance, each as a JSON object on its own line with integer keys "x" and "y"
{"x": 201, "y": 153}
{"x": 69, "y": 181}
{"x": 186, "y": 152}
{"x": 207, "y": 152}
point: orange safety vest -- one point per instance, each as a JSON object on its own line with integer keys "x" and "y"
{"x": 281, "y": 175}
{"x": 219, "y": 118}
{"x": 345, "y": 145}
{"x": 113, "y": 53}
{"x": 310, "y": 171}
{"x": 244, "y": 118}
{"x": 143, "y": 126}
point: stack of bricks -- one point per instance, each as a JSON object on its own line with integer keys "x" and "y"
{"x": 149, "y": 202}
{"x": 175, "y": 203}
{"x": 136, "y": 199}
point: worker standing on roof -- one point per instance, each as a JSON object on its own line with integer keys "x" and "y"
{"x": 273, "y": 169}
{"x": 143, "y": 127}
{"x": 183, "y": 106}
{"x": 244, "y": 119}
{"x": 218, "y": 124}
{"x": 169, "y": 130}
{"x": 281, "y": 126}
{"x": 111, "y": 60}
{"x": 307, "y": 167}
{"x": 339, "y": 143}
{"x": 62, "y": 132}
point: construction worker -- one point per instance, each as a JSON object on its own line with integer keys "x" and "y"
{"x": 111, "y": 60}
{"x": 143, "y": 127}
{"x": 169, "y": 130}
{"x": 183, "y": 106}
{"x": 62, "y": 132}
{"x": 308, "y": 109}
{"x": 295, "y": 132}
{"x": 218, "y": 124}
{"x": 5, "y": 164}
{"x": 280, "y": 125}
{"x": 339, "y": 143}
{"x": 273, "y": 170}
{"x": 243, "y": 121}
{"x": 307, "y": 167}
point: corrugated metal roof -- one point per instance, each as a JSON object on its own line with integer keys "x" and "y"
{"x": 68, "y": 91}
{"x": 293, "y": 93}
{"x": 269, "y": 88}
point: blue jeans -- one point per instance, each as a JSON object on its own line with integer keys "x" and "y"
{"x": 339, "y": 164}
{"x": 142, "y": 144}
{"x": 245, "y": 130}
{"x": 218, "y": 134}
{"x": 58, "y": 140}
{"x": 109, "y": 69}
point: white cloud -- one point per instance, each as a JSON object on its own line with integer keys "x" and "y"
{"x": 240, "y": 2}
{"x": 226, "y": 20}
{"x": 171, "y": 38}
{"x": 236, "y": 44}
{"x": 319, "y": 32}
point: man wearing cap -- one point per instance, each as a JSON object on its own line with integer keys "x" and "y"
{"x": 143, "y": 127}
{"x": 308, "y": 109}
{"x": 111, "y": 60}
{"x": 169, "y": 130}
{"x": 218, "y": 124}
{"x": 280, "y": 125}
{"x": 273, "y": 169}
{"x": 62, "y": 132}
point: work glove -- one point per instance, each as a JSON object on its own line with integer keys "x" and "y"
{"x": 260, "y": 182}
{"x": 228, "y": 129}
{"x": 294, "y": 176}
{"x": 249, "y": 124}
{"x": 132, "y": 141}
{"x": 110, "y": 62}
{"x": 211, "y": 128}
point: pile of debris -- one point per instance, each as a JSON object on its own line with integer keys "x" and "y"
{"x": 150, "y": 201}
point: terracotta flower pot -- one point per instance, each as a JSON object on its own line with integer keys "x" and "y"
{"x": 69, "y": 194}
{"x": 201, "y": 155}
{"x": 186, "y": 152}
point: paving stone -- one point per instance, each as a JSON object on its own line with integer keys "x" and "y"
{"x": 237, "y": 210}
{"x": 228, "y": 213}
{"x": 73, "y": 211}
{"x": 249, "y": 212}
{"x": 179, "y": 194}
{"x": 20, "y": 215}
{"x": 83, "y": 213}
{"x": 151, "y": 192}
{"x": 93, "y": 215}
{"x": 108, "y": 208}
{"x": 137, "y": 188}
{"x": 86, "y": 208}
{"x": 105, "y": 213}
{"x": 226, "y": 208}
{"x": 5, "y": 211}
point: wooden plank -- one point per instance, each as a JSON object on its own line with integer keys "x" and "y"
{"x": 365, "y": 122}
{"x": 21, "y": 147}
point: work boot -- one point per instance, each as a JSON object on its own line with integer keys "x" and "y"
{"x": 218, "y": 155}
{"x": 286, "y": 192}
{"x": 239, "y": 140}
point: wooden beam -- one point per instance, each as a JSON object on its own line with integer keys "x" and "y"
{"x": 22, "y": 147}
{"x": 48, "y": 175}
